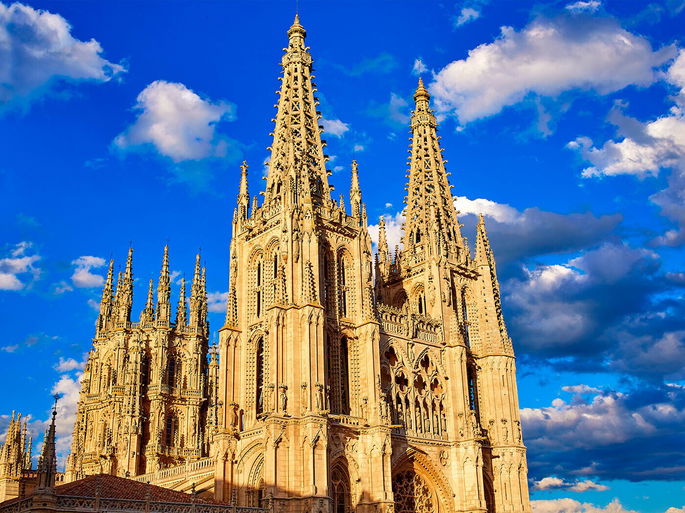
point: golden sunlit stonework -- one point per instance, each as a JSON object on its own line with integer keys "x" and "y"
{"x": 342, "y": 381}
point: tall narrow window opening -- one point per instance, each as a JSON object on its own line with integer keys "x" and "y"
{"x": 259, "y": 377}
{"x": 344, "y": 378}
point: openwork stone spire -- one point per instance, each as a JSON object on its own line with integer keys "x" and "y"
{"x": 297, "y": 167}
{"x": 431, "y": 219}
{"x": 164, "y": 290}
{"x": 47, "y": 465}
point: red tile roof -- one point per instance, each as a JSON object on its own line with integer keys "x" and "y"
{"x": 113, "y": 487}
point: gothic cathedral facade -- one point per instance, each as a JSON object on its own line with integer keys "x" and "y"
{"x": 343, "y": 381}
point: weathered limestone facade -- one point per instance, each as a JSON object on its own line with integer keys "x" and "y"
{"x": 145, "y": 392}
{"x": 344, "y": 382}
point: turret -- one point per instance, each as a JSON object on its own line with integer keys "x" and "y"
{"x": 164, "y": 291}
{"x": 181, "y": 308}
{"x": 124, "y": 293}
{"x": 47, "y": 465}
{"x": 355, "y": 191}
{"x": 148, "y": 313}
{"x": 105, "y": 315}
{"x": 196, "y": 296}
{"x": 243, "y": 194}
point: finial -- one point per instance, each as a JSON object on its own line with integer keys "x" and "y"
{"x": 129, "y": 263}
{"x": 421, "y": 91}
{"x": 297, "y": 28}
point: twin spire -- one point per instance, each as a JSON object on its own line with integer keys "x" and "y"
{"x": 116, "y": 304}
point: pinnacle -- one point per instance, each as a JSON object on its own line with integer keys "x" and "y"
{"x": 421, "y": 91}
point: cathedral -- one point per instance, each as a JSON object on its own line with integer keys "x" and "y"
{"x": 344, "y": 380}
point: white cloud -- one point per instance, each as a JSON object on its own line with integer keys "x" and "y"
{"x": 555, "y": 483}
{"x": 573, "y": 506}
{"x": 498, "y": 211}
{"x": 467, "y": 15}
{"x": 517, "y": 234}
{"x": 17, "y": 270}
{"x": 69, "y": 364}
{"x": 584, "y": 486}
{"x": 394, "y": 112}
{"x": 358, "y": 147}
{"x": 584, "y": 6}
{"x": 546, "y": 58}
{"x": 37, "y": 50}
{"x": 676, "y": 510}
{"x": 82, "y": 276}
{"x": 9, "y": 349}
{"x": 69, "y": 388}
{"x": 62, "y": 287}
{"x": 178, "y": 123}
{"x": 419, "y": 67}
{"x": 393, "y": 229}
{"x": 216, "y": 301}
{"x": 334, "y": 127}
{"x": 646, "y": 149}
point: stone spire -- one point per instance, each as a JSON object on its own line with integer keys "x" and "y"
{"x": 15, "y": 452}
{"x": 148, "y": 313}
{"x": 105, "y": 315}
{"x": 47, "y": 465}
{"x": 355, "y": 191}
{"x": 383, "y": 251}
{"x": 197, "y": 296}
{"x": 431, "y": 226}
{"x": 243, "y": 194}
{"x": 297, "y": 167}
{"x": 485, "y": 263}
{"x": 164, "y": 290}
{"x": 125, "y": 291}
{"x": 181, "y": 308}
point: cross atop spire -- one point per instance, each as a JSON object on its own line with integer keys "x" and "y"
{"x": 431, "y": 226}
{"x": 297, "y": 166}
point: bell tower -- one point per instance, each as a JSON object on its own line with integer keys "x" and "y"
{"x": 299, "y": 349}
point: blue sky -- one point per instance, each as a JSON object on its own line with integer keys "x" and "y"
{"x": 563, "y": 122}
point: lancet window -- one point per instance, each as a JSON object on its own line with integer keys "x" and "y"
{"x": 257, "y": 286}
{"x": 259, "y": 377}
{"x": 171, "y": 430}
{"x": 339, "y": 374}
{"x": 416, "y": 396}
{"x": 340, "y": 488}
{"x": 343, "y": 286}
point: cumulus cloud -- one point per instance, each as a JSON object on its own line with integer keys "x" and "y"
{"x": 82, "y": 276}
{"x": 567, "y": 309}
{"x": 516, "y": 234}
{"x": 68, "y": 387}
{"x": 216, "y": 301}
{"x": 38, "y": 52}
{"x": 18, "y": 269}
{"x": 573, "y": 506}
{"x": 598, "y": 435}
{"x": 466, "y": 15}
{"x": 69, "y": 364}
{"x": 177, "y": 122}
{"x": 545, "y": 59}
{"x": 555, "y": 483}
{"x": 584, "y": 6}
{"x": 419, "y": 67}
{"x": 644, "y": 149}
{"x": 334, "y": 127}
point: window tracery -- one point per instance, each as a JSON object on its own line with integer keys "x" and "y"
{"x": 412, "y": 494}
{"x": 417, "y": 397}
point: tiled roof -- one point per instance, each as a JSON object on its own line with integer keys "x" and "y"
{"x": 113, "y": 487}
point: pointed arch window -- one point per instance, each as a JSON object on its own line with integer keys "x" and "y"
{"x": 343, "y": 286}
{"x": 259, "y": 377}
{"x": 171, "y": 373}
{"x": 340, "y": 486}
{"x": 171, "y": 430}
{"x": 344, "y": 378}
{"x": 473, "y": 389}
